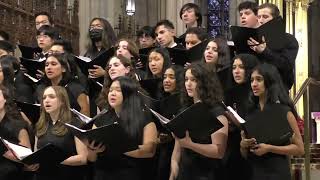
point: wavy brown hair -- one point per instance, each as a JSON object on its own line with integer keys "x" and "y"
{"x": 208, "y": 86}
{"x": 65, "y": 115}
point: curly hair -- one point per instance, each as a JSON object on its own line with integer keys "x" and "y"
{"x": 208, "y": 86}
{"x": 65, "y": 115}
{"x": 223, "y": 53}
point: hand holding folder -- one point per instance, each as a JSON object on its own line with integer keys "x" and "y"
{"x": 197, "y": 119}
{"x": 269, "y": 126}
{"x": 86, "y": 63}
{"x": 113, "y": 136}
{"x": 48, "y": 154}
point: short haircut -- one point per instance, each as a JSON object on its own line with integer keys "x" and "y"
{"x": 4, "y": 35}
{"x": 147, "y": 31}
{"x": 52, "y": 32}
{"x": 44, "y": 13}
{"x": 196, "y": 11}
{"x": 275, "y": 12}
{"x": 166, "y": 23}
{"x": 200, "y": 32}
{"x": 67, "y": 47}
{"x": 248, "y": 5}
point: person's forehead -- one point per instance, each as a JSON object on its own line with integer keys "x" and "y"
{"x": 42, "y": 17}
{"x": 264, "y": 10}
{"x": 246, "y": 10}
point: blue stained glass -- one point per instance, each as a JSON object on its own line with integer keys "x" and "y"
{"x": 216, "y": 24}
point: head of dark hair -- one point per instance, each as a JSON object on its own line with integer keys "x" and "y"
{"x": 64, "y": 59}
{"x": 43, "y": 13}
{"x": 6, "y": 46}
{"x": 6, "y": 63}
{"x": 208, "y": 86}
{"x": 166, "y": 60}
{"x": 178, "y": 75}
{"x": 275, "y": 91}
{"x": 196, "y": 9}
{"x": 147, "y": 31}
{"x": 50, "y": 31}
{"x": 66, "y": 44}
{"x": 275, "y": 12}
{"x": 132, "y": 113}
{"x": 199, "y": 32}
{"x": 223, "y": 53}
{"x": 166, "y": 23}
{"x": 4, "y": 35}
{"x": 108, "y": 36}
{"x": 249, "y": 61}
{"x": 253, "y": 6}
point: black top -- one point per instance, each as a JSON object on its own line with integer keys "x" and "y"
{"x": 270, "y": 165}
{"x": 9, "y": 130}
{"x": 119, "y": 166}
{"x": 24, "y": 88}
{"x": 196, "y": 166}
{"x": 283, "y": 59}
{"x": 65, "y": 142}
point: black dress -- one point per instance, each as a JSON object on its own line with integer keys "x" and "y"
{"x": 119, "y": 166}
{"x": 59, "y": 172}
{"x": 9, "y": 130}
{"x": 237, "y": 98}
{"x": 270, "y": 166}
{"x": 194, "y": 166}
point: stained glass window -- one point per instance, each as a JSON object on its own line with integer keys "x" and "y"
{"x": 218, "y": 17}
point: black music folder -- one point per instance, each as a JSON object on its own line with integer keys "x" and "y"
{"x": 86, "y": 63}
{"x": 49, "y": 154}
{"x": 144, "y": 54}
{"x": 269, "y": 126}
{"x": 197, "y": 119}
{"x": 29, "y": 52}
{"x": 178, "y": 56}
{"x": 113, "y": 136}
{"x": 32, "y": 111}
{"x": 273, "y": 32}
{"x": 32, "y": 65}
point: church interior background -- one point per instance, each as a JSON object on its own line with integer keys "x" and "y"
{"x": 72, "y": 17}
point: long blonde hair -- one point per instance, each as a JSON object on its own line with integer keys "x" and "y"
{"x": 65, "y": 115}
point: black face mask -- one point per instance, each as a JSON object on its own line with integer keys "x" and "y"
{"x": 95, "y": 34}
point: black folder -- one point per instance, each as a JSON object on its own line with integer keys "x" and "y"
{"x": 144, "y": 55}
{"x": 85, "y": 121}
{"x": 170, "y": 105}
{"x": 47, "y": 155}
{"x": 197, "y": 119}
{"x": 269, "y": 126}
{"x": 273, "y": 32}
{"x": 32, "y": 111}
{"x": 29, "y": 52}
{"x": 113, "y": 136}
{"x": 178, "y": 56}
{"x": 86, "y": 63}
{"x": 32, "y": 65}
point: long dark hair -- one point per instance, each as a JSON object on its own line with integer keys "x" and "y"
{"x": 67, "y": 76}
{"x": 108, "y": 37}
{"x": 166, "y": 60}
{"x": 179, "y": 76}
{"x": 208, "y": 85}
{"x": 223, "y": 53}
{"x": 275, "y": 91}
{"x": 7, "y": 66}
{"x": 249, "y": 61}
{"x": 132, "y": 111}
